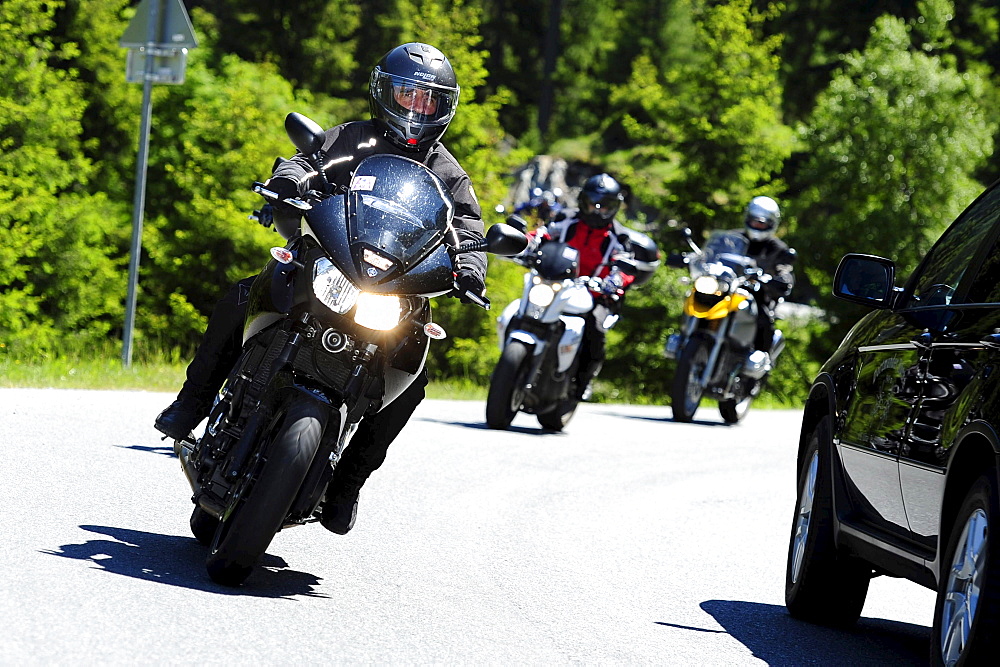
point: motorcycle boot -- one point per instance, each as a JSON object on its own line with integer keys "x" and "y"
{"x": 340, "y": 508}
{"x": 219, "y": 350}
{"x": 585, "y": 379}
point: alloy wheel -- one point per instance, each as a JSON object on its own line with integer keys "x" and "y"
{"x": 802, "y": 519}
{"x": 965, "y": 578}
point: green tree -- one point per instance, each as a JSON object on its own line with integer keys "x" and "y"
{"x": 893, "y": 145}
{"x": 57, "y": 280}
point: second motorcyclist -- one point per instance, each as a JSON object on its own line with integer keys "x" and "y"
{"x": 413, "y": 94}
{"x": 760, "y": 224}
{"x": 593, "y": 231}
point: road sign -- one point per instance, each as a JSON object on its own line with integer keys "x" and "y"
{"x": 157, "y": 38}
{"x": 173, "y": 29}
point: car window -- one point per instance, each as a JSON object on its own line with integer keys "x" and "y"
{"x": 946, "y": 263}
{"x": 986, "y": 285}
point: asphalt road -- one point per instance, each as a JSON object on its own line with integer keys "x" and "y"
{"x": 628, "y": 539}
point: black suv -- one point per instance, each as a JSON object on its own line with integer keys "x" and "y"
{"x": 898, "y": 455}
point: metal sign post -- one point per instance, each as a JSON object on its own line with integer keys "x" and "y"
{"x": 158, "y": 37}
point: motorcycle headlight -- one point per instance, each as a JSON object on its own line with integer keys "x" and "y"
{"x": 378, "y": 311}
{"x": 707, "y": 285}
{"x": 332, "y": 287}
{"x": 541, "y": 295}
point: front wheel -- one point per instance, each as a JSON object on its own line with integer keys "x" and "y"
{"x": 507, "y": 385}
{"x": 278, "y": 472}
{"x": 821, "y": 585}
{"x": 967, "y": 610}
{"x": 688, "y": 390}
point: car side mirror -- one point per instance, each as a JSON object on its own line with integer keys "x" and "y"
{"x": 865, "y": 279}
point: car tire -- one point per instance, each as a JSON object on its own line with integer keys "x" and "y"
{"x": 821, "y": 584}
{"x": 969, "y": 586}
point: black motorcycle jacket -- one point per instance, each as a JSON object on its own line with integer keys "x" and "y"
{"x": 348, "y": 144}
{"x": 774, "y": 257}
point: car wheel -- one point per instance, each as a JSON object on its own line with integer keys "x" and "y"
{"x": 968, "y": 602}
{"x": 821, "y": 585}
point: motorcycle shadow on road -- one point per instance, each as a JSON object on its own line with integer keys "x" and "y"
{"x": 778, "y": 639}
{"x": 180, "y": 561}
{"x": 526, "y": 430}
{"x": 649, "y": 418}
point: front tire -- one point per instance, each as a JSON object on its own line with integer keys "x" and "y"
{"x": 821, "y": 585}
{"x": 967, "y": 610}
{"x": 506, "y": 386}
{"x": 687, "y": 389}
{"x": 245, "y": 534}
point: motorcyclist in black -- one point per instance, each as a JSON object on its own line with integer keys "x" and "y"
{"x": 774, "y": 257}
{"x": 413, "y": 94}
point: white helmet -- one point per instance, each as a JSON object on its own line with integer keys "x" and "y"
{"x": 761, "y": 218}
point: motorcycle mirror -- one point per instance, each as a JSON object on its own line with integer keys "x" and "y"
{"x": 686, "y": 232}
{"x": 676, "y": 260}
{"x": 517, "y": 222}
{"x": 504, "y": 239}
{"x": 305, "y": 133}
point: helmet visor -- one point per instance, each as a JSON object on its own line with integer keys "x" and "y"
{"x": 414, "y": 102}
{"x": 602, "y": 205}
{"x": 759, "y": 223}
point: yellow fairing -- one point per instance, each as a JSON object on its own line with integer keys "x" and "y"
{"x": 716, "y": 312}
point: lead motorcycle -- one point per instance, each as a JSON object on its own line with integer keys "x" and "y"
{"x": 714, "y": 349}
{"x": 338, "y": 326}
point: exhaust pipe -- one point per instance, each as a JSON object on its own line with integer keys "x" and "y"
{"x": 184, "y": 450}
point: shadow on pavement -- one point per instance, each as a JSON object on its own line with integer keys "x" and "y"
{"x": 165, "y": 450}
{"x": 180, "y": 561}
{"x": 483, "y": 427}
{"x": 647, "y": 418}
{"x": 778, "y": 639}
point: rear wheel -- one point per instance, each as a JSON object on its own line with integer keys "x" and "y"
{"x": 507, "y": 385}
{"x": 967, "y": 610}
{"x": 687, "y": 388}
{"x": 821, "y": 585}
{"x": 556, "y": 420}
{"x": 259, "y": 512}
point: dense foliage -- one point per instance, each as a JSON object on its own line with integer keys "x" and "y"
{"x": 869, "y": 126}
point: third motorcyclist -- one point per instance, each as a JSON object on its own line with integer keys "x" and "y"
{"x": 760, "y": 223}
{"x": 413, "y": 94}
{"x": 593, "y": 231}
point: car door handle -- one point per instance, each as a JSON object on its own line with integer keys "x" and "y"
{"x": 993, "y": 340}
{"x": 923, "y": 341}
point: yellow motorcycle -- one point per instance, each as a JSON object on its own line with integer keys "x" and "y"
{"x": 714, "y": 349}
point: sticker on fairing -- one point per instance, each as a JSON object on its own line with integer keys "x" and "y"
{"x": 570, "y": 253}
{"x": 363, "y": 183}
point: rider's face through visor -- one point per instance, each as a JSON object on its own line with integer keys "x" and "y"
{"x": 758, "y": 223}
{"x": 604, "y": 208}
{"x": 418, "y": 100}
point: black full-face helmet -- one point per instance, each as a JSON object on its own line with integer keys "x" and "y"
{"x": 599, "y": 200}
{"x": 413, "y": 95}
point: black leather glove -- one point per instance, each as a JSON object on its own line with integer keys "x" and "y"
{"x": 469, "y": 280}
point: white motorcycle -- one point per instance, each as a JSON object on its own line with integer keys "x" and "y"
{"x": 540, "y": 336}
